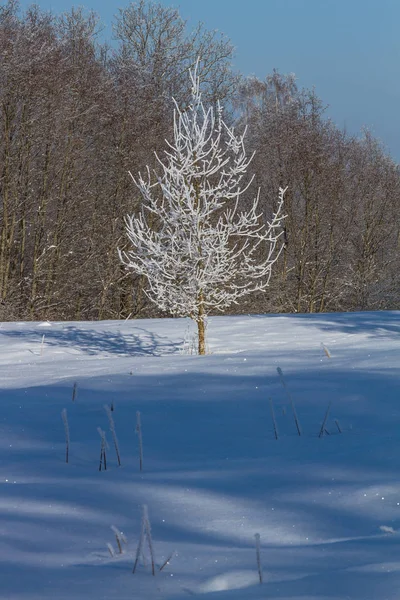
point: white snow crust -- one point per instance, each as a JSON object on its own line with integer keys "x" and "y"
{"x": 327, "y": 508}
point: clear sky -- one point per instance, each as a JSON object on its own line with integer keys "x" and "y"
{"x": 348, "y": 49}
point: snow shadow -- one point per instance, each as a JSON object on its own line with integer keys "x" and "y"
{"x": 375, "y": 324}
{"x": 214, "y": 476}
{"x": 138, "y": 342}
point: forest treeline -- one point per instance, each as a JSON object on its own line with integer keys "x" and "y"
{"x": 78, "y": 114}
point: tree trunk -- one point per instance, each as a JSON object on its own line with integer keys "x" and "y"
{"x": 201, "y": 324}
{"x": 201, "y": 329}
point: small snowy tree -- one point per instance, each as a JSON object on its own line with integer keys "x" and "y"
{"x": 198, "y": 250}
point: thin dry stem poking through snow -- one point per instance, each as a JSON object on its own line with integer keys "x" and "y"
{"x": 113, "y": 432}
{"x": 290, "y": 397}
{"x": 103, "y": 449}
{"x": 258, "y": 557}
{"x": 140, "y": 438}
{"x": 120, "y": 538}
{"x": 64, "y": 417}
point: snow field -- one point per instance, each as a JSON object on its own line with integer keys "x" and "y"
{"x": 213, "y": 475}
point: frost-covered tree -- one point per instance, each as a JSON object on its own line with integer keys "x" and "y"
{"x": 199, "y": 250}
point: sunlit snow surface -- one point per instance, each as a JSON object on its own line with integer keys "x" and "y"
{"x": 327, "y": 509}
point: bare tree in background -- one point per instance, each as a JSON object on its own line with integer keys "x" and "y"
{"x": 76, "y": 115}
{"x": 342, "y": 204}
{"x": 154, "y": 39}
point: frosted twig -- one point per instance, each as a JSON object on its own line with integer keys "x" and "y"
{"x": 103, "y": 457}
{"x": 147, "y": 525}
{"x": 145, "y": 533}
{"x": 139, "y": 548}
{"x": 119, "y": 537}
{"x": 167, "y": 561}
{"x": 113, "y": 433}
{"x": 211, "y": 249}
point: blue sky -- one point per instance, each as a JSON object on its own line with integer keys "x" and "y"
{"x": 348, "y": 49}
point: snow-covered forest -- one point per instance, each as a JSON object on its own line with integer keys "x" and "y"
{"x": 77, "y": 114}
